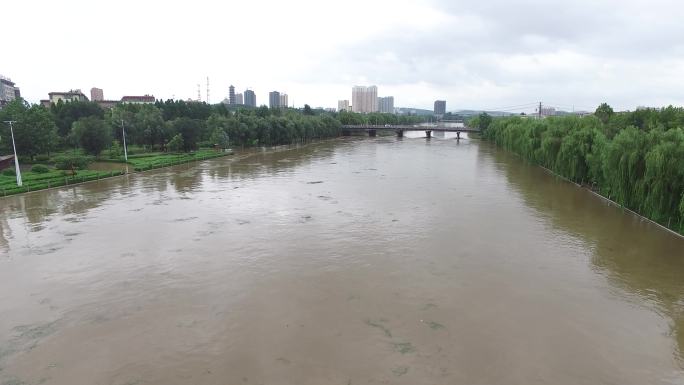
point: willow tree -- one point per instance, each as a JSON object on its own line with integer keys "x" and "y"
{"x": 664, "y": 176}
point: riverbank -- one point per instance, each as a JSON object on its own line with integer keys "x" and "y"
{"x": 57, "y": 178}
{"x": 53, "y": 178}
{"x": 136, "y": 164}
{"x": 607, "y": 199}
{"x": 638, "y": 168}
{"x": 590, "y": 190}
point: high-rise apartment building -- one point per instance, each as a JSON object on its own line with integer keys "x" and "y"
{"x": 96, "y": 94}
{"x": 343, "y": 105}
{"x": 283, "y": 101}
{"x": 8, "y": 91}
{"x": 386, "y": 104}
{"x": 231, "y": 95}
{"x": 440, "y": 107}
{"x": 250, "y": 98}
{"x": 238, "y": 99}
{"x": 365, "y": 99}
{"x": 274, "y": 99}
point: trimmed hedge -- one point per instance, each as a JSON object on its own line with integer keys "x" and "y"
{"x": 40, "y": 169}
{"x": 65, "y": 162}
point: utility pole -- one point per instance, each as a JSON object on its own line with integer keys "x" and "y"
{"x": 16, "y": 158}
{"x": 540, "y": 107}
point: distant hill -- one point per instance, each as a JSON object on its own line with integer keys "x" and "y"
{"x": 468, "y": 113}
{"x": 478, "y": 112}
{"x": 413, "y": 111}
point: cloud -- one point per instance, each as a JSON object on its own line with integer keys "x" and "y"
{"x": 474, "y": 54}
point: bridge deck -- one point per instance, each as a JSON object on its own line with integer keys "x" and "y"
{"x": 409, "y": 128}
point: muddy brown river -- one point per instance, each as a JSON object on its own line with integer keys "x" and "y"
{"x": 351, "y": 261}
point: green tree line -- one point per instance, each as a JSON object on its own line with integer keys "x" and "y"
{"x": 168, "y": 125}
{"x": 634, "y": 158}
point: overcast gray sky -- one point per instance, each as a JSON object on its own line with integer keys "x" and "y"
{"x": 473, "y": 53}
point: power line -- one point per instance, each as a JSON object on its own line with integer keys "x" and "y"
{"x": 517, "y": 106}
{"x": 573, "y": 106}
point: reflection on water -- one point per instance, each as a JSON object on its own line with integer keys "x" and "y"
{"x": 384, "y": 260}
{"x": 633, "y": 253}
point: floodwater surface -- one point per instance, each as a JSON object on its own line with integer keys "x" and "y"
{"x": 352, "y": 261}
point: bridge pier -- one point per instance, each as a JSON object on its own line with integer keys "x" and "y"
{"x": 372, "y": 133}
{"x": 400, "y": 133}
{"x": 428, "y": 134}
{"x": 346, "y": 133}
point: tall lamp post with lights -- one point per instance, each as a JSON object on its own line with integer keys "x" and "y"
{"x": 16, "y": 158}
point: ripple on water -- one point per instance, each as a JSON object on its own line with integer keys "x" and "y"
{"x": 186, "y": 219}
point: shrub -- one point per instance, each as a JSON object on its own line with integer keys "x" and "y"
{"x": 176, "y": 143}
{"x": 9, "y": 172}
{"x": 115, "y": 151}
{"x": 40, "y": 169}
{"x": 42, "y": 158}
{"x": 66, "y": 162}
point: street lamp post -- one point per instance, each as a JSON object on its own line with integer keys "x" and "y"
{"x": 123, "y": 135}
{"x": 16, "y": 158}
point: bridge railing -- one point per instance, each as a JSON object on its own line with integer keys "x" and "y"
{"x": 436, "y": 127}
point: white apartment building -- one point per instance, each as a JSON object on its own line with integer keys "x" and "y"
{"x": 365, "y": 99}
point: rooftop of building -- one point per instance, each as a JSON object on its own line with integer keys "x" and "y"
{"x": 70, "y": 92}
{"x": 135, "y": 97}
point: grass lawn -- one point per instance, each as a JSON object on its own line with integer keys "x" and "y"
{"x": 54, "y": 178}
{"x": 157, "y": 160}
{"x": 141, "y": 162}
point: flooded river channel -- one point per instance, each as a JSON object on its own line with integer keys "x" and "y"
{"x": 351, "y": 261}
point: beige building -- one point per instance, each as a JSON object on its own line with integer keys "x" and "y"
{"x": 146, "y": 99}
{"x": 343, "y": 105}
{"x": 70, "y": 96}
{"x": 283, "y": 100}
{"x": 96, "y": 94}
{"x": 364, "y": 99}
